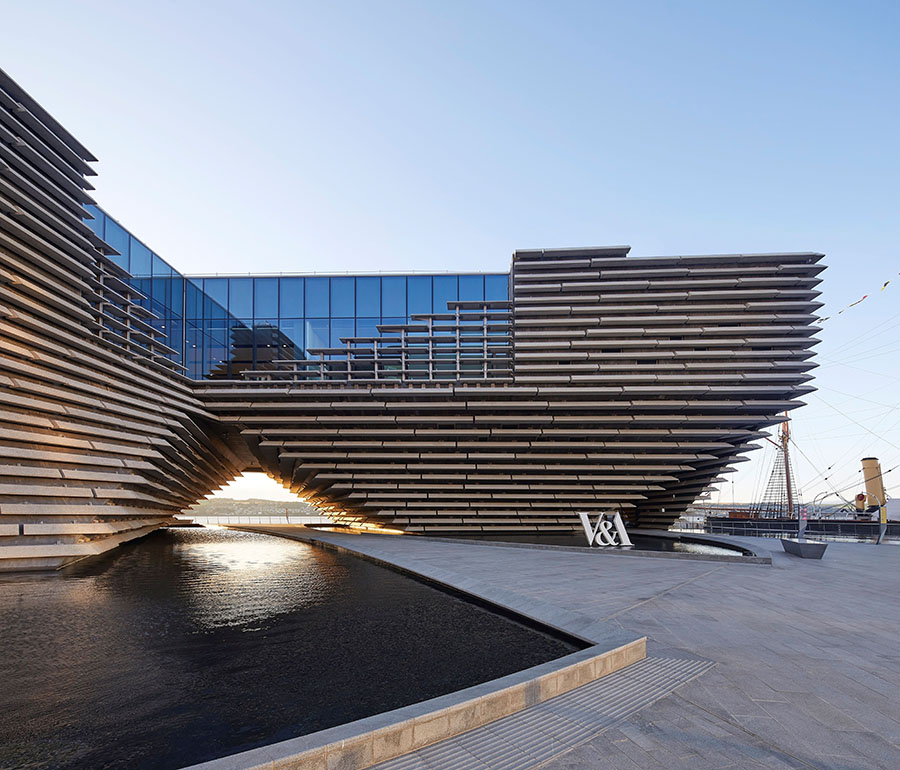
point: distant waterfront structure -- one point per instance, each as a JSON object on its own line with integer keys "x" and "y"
{"x": 581, "y": 380}
{"x": 253, "y": 511}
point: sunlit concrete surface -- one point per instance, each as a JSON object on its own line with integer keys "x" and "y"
{"x": 807, "y": 654}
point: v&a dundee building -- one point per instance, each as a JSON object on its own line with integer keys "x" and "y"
{"x": 581, "y": 380}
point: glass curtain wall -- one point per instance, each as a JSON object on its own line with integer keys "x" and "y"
{"x": 292, "y": 315}
{"x": 221, "y": 326}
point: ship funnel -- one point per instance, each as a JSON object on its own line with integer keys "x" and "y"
{"x": 871, "y": 469}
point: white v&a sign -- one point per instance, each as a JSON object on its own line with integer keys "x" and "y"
{"x": 609, "y": 531}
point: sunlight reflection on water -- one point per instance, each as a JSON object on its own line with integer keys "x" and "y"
{"x": 196, "y": 643}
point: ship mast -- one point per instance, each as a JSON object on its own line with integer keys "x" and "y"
{"x": 778, "y": 498}
{"x": 785, "y": 440}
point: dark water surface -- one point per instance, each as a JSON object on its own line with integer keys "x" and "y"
{"x": 192, "y": 644}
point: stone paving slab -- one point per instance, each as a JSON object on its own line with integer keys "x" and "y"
{"x": 807, "y": 652}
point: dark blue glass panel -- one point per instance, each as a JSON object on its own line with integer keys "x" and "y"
{"x": 216, "y": 359}
{"x": 161, "y": 292}
{"x": 141, "y": 258}
{"x": 367, "y": 327}
{"x": 265, "y": 297}
{"x": 266, "y": 342}
{"x": 176, "y": 337}
{"x": 241, "y": 344}
{"x": 368, "y": 295}
{"x": 496, "y": 287}
{"x": 117, "y": 237}
{"x": 240, "y": 297}
{"x": 96, "y": 224}
{"x": 216, "y": 311}
{"x": 219, "y": 330}
{"x": 292, "y": 338}
{"x": 291, "y": 290}
{"x": 316, "y": 333}
{"x": 178, "y": 295}
{"x": 193, "y": 337}
{"x": 445, "y": 290}
{"x": 217, "y": 289}
{"x": 142, "y": 285}
{"x": 160, "y": 266}
{"x": 341, "y": 327}
{"x": 395, "y": 320}
{"x": 193, "y": 301}
{"x": 393, "y": 295}
{"x": 471, "y": 288}
{"x": 418, "y": 292}
{"x": 316, "y": 299}
{"x": 342, "y": 302}
{"x": 210, "y": 308}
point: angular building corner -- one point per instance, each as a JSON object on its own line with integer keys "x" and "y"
{"x": 101, "y": 441}
{"x": 601, "y": 381}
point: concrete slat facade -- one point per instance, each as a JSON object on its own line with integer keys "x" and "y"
{"x": 605, "y": 382}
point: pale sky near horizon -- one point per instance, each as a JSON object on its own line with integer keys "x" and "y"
{"x": 280, "y": 136}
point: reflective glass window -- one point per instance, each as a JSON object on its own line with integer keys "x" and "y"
{"x": 178, "y": 295}
{"x": 160, "y": 266}
{"x": 496, "y": 287}
{"x": 265, "y": 297}
{"x": 193, "y": 301}
{"x": 292, "y": 338}
{"x": 241, "y": 346}
{"x": 161, "y": 291}
{"x": 193, "y": 350}
{"x": 140, "y": 258}
{"x": 217, "y": 312}
{"x": 176, "y": 337}
{"x": 471, "y": 288}
{"x": 291, "y": 291}
{"x": 393, "y": 295}
{"x": 217, "y": 289}
{"x": 316, "y": 298}
{"x": 368, "y": 295}
{"x": 240, "y": 297}
{"x": 219, "y": 331}
{"x": 96, "y": 224}
{"x": 445, "y": 290}
{"x": 142, "y": 285}
{"x": 418, "y": 292}
{"x": 117, "y": 237}
{"x": 266, "y": 342}
{"x": 341, "y": 327}
{"x": 342, "y": 302}
{"x": 216, "y": 359}
{"x": 367, "y": 327}
{"x": 316, "y": 333}
{"x": 211, "y": 308}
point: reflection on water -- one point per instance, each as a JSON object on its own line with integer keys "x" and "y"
{"x": 193, "y": 644}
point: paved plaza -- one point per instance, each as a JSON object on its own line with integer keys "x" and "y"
{"x": 806, "y": 653}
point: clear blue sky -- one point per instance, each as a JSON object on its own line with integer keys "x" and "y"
{"x": 301, "y": 136}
